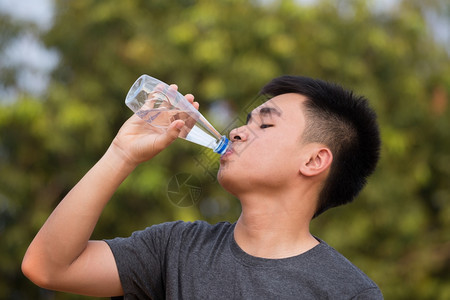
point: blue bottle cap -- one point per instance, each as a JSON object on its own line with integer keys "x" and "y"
{"x": 222, "y": 146}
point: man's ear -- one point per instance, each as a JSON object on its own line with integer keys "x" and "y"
{"x": 318, "y": 160}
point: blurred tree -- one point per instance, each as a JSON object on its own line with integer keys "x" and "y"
{"x": 9, "y": 29}
{"x": 397, "y": 231}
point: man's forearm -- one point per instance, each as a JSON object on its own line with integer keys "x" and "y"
{"x": 65, "y": 234}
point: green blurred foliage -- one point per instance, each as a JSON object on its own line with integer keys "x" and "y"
{"x": 398, "y": 230}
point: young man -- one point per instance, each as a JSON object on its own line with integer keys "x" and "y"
{"x": 310, "y": 147}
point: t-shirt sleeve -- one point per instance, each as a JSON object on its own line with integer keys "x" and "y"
{"x": 140, "y": 260}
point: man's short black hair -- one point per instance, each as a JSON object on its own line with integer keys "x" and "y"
{"x": 346, "y": 124}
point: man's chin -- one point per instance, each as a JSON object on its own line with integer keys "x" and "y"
{"x": 223, "y": 177}
{"x": 221, "y": 174}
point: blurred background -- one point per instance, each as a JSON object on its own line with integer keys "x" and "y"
{"x": 66, "y": 66}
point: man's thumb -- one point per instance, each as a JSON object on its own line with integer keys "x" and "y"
{"x": 174, "y": 130}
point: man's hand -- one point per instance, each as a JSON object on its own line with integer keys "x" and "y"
{"x": 138, "y": 141}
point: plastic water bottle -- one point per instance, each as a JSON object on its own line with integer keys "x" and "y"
{"x": 159, "y": 105}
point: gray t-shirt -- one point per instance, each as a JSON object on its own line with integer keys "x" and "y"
{"x": 180, "y": 260}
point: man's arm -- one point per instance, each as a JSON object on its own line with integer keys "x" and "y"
{"x": 61, "y": 257}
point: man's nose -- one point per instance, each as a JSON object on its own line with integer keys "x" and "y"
{"x": 239, "y": 134}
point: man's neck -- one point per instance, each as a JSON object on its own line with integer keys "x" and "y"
{"x": 270, "y": 228}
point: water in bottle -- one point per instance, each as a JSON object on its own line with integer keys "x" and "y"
{"x": 159, "y": 105}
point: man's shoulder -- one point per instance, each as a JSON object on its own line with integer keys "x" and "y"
{"x": 198, "y": 225}
{"x": 174, "y": 232}
{"x": 330, "y": 257}
{"x": 197, "y": 229}
{"x": 333, "y": 267}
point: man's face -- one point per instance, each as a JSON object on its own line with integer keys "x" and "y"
{"x": 266, "y": 151}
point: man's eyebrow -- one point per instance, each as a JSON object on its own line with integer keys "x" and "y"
{"x": 269, "y": 111}
{"x": 264, "y": 111}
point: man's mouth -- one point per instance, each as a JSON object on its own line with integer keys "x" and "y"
{"x": 227, "y": 153}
